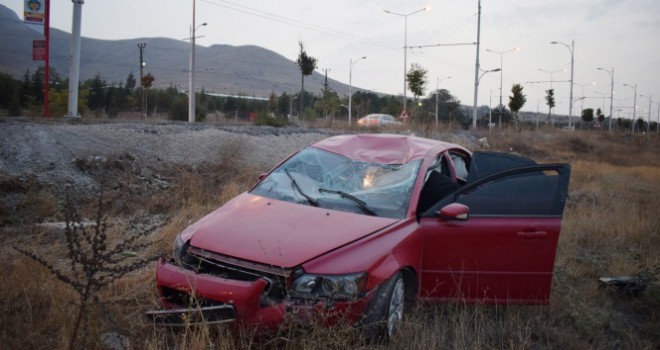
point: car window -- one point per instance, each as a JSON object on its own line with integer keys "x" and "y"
{"x": 384, "y": 188}
{"x": 528, "y": 194}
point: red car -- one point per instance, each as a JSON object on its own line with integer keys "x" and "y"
{"x": 358, "y": 226}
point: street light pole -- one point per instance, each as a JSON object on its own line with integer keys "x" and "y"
{"x": 474, "y": 112}
{"x": 634, "y": 104}
{"x": 501, "y": 53}
{"x": 191, "y": 74}
{"x": 648, "y": 118}
{"x": 437, "y": 87}
{"x": 570, "y": 103}
{"x": 552, "y": 72}
{"x": 582, "y": 98}
{"x": 477, "y": 68}
{"x": 350, "y": 86}
{"x": 405, "y": 49}
{"x": 611, "y": 73}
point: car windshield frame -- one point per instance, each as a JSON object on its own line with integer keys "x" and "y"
{"x": 337, "y": 182}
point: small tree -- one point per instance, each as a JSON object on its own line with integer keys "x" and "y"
{"x": 95, "y": 260}
{"x": 600, "y": 116}
{"x": 550, "y": 101}
{"x": 588, "y": 115}
{"x": 416, "y": 79}
{"x": 307, "y": 64}
{"x": 517, "y": 101}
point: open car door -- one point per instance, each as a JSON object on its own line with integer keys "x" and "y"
{"x": 495, "y": 239}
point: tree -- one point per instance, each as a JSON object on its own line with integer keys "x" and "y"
{"x": 517, "y": 101}
{"x": 550, "y": 101}
{"x": 146, "y": 83}
{"x": 416, "y": 79}
{"x": 600, "y": 116}
{"x": 307, "y": 64}
{"x": 588, "y": 115}
{"x": 130, "y": 82}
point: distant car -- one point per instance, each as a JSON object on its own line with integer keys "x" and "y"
{"x": 378, "y": 120}
{"x": 356, "y": 227}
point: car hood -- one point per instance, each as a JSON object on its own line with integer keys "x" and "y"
{"x": 278, "y": 233}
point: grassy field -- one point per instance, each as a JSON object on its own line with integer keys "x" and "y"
{"x": 611, "y": 227}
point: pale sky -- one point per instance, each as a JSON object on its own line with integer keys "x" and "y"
{"x": 619, "y": 34}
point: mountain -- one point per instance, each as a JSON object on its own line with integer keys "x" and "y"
{"x": 223, "y": 69}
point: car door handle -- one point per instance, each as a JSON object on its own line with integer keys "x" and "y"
{"x": 533, "y": 234}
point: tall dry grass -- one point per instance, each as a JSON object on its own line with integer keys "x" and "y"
{"x": 611, "y": 227}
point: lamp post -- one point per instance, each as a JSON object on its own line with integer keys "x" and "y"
{"x": 405, "y": 48}
{"x": 437, "y": 87}
{"x": 611, "y": 73}
{"x": 582, "y": 98}
{"x": 634, "y": 104}
{"x": 648, "y": 118}
{"x": 603, "y": 96}
{"x": 350, "y": 86}
{"x": 474, "y": 111}
{"x": 191, "y": 74}
{"x": 570, "y": 103}
{"x": 501, "y": 53}
{"x": 552, "y": 72}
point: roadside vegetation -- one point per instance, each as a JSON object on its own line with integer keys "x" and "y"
{"x": 610, "y": 228}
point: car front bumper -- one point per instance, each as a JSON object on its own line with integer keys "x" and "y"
{"x": 189, "y": 299}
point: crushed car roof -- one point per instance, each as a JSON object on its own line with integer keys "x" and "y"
{"x": 382, "y": 148}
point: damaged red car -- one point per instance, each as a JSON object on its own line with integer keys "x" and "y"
{"x": 357, "y": 227}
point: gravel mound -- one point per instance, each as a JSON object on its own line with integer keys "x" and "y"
{"x": 56, "y": 153}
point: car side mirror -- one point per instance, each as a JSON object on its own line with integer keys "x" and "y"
{"x": 454, "y": 211}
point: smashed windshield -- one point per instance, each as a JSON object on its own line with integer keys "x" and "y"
{"x": 328, "y": 180}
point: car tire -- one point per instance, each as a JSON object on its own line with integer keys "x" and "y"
{"x": 383, "y": 318}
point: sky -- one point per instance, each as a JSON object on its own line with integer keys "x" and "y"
{"x": 622, "y": 36}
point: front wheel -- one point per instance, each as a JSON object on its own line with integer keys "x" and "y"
{"x": 382, "y": 320}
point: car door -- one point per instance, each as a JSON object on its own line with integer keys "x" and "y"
{"x": 494, "y": 240}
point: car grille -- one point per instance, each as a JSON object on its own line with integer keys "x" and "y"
{"x": 203, "y": 262}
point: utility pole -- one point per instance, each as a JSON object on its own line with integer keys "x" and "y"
{"x": 141, "y": 46}
{"x": 476, "y": 70}
{"x": 325, "y": 84}
{"x": 74, "y": 63}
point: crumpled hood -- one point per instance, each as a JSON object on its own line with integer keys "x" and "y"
{"x": 278, "y": 233}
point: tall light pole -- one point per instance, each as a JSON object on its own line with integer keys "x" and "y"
{"x": 74, "y": 63}
{"x": 405, "y": 48}
{"x": 350, "y": 87}
{"x": 437, "y": 87}
{"x": 570, "y": 103}
{"x": 474, "y": 111}
{"x": 648, "y": 118}
{"x": 141, "y": 47}
{"x": 582, "y": 98}
{"x": 191, "y": 74}
{"x": 501, "y": 53}
{"x": 634, "y": 104}
{"x": 611, "y": 73}
{"x": 552, "y": 73}
{"x": 603, "y": 95}
{"x": 477, "y": 68}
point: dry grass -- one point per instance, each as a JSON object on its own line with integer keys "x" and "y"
{"x": 611, "y": 227}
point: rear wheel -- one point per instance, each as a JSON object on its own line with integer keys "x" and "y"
{"x": 382, "y": 320}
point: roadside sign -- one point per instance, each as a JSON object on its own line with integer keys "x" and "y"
{"x": 38, "y": 50}
{"x": 34, "y": 12}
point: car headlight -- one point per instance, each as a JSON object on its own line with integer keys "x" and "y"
{"x": 340, "y": 287}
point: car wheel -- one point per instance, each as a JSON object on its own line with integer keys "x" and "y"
{"x": 382, "y": 320}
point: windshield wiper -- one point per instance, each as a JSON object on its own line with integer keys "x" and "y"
{"x": 360, "y": 203}
{"x": 311, "y": 200}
